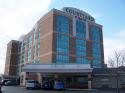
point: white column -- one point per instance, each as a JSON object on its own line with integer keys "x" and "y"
{"x": 39, "y": 77}
{"x": 87, "y": 31}
{"x": 74, "y": 26}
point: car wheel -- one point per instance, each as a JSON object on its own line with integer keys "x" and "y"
{"x": 27, "y": 88}
{"x": 30, "y": 88}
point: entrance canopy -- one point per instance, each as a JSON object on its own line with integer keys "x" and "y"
{"x": 57, "y": 68}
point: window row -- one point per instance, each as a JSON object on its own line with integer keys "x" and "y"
{"x": 62, "y": 44}
{"x": 96, "y": 63}
{"x": 81, "y": 42}
{"x": 82, "y": 61}
{"x": 80, "y": 35}
{"x": 62, "y": 50}
{"x": 81, "y": 53}
{"x": 96, "y": 45}
{"x": 61, "y": 37}
{"x": 80, "y": 48}
{"x": 96, "y": 56}
{"x": 62, "y": 59}
{"x": 96, "y": 51}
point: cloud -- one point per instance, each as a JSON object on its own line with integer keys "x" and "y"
{"x": 17, "y": 17}
{"x": 114, "y": 43}
{"x": 121, "y": 34}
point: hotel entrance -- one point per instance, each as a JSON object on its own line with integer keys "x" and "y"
{"x": 75, "y": 81}
{"x": 73, "y": 76}
{"x": 79, "y": 82}
{"x": 70, "y": 81}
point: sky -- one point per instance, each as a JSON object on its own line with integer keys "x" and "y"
{"x": 17, "y": 17}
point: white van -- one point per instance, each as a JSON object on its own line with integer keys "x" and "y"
{"x": 32, "y": 84}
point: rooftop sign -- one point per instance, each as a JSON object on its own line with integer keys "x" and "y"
{"x": 78, "y": 13}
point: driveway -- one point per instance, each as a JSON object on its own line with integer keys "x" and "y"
{"x": 18, "y": 89}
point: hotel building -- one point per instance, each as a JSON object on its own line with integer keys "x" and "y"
{"x": 68, "y": 39}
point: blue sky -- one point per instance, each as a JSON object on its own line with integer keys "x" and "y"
{"x": 17, "y": 17}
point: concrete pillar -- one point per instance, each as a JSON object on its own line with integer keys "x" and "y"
{"x": 22, "y": 79}
{"x": 55, "y": 79}
{"x": 39, "y": 77}
{"x": 56, "y": 76}
{"x": 89, "y": 81}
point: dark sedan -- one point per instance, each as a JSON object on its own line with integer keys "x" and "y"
{"x": 47, "y": 85}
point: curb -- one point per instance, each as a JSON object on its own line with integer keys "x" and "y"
{"x": 82, "y": 89}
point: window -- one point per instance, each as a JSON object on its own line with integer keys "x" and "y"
{"x": 80, "y": 42}
{"x": 62, "y": 47}
{"x": 62, "y": 37}
{"x": 62, "y": 59}
{"x": 96, "y": 52}
{"x": 95, "y": 31}
{"x": 62, "y": 43}
{"x": 29, "y": 55}
{"x": 38, "y": 44}
{"x": 80, "y": 80}
{"x": 80, "y": 48}
{"x": 82, "y": 60}
{"x": 62, "y": 24}
{"x": 81, "y": 54}
{"x": 63, "y": 50}
{"x": 23, "y": 46}
{"x": 80, "y": 29}
{"x": 17, "y": 71}
{"x": 96, "y": 63}
{"x": 81, "y": 51}
{"x": 96, "y": 46}
{"x": 30, "y": 41}
{"x": 38, "y": 34}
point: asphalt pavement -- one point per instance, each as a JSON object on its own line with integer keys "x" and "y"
{"x": 18, "y": 89}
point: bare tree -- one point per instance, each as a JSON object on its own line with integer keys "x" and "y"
{"x": 122, "y": 61}
{"x": 111, "y": 62}
{"x": 118, "y": 59}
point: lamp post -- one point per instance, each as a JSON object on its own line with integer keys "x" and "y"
{"x": 117, "y": 77}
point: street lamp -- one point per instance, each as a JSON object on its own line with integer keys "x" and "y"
{"x": 117, "y": 76}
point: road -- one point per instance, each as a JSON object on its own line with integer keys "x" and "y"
{"x": 17, "y": 89}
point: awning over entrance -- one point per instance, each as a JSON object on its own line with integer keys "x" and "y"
{"x": 57, "y": 68}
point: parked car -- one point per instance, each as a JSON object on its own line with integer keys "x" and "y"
{"x": 47, "y": 85}
{"x": 59, "y": 85}
{"x": 4, "y": 81}
{"x": 0, "y": 88}
{"x": 10, "y": 83}
{"x": 32, "y": 84}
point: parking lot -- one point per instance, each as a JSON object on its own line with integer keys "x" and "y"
{"x": 18, "y": 89}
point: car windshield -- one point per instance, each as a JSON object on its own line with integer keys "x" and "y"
{"x": 60, "y": 83}
{"x": 30, "y": 81}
